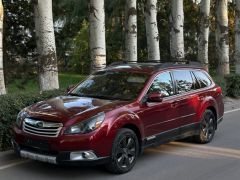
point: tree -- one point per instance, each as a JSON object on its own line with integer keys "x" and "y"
{"x": 80, "y": 61}
{"x": 97, "y": 34}
{"x": 131, "y": 30}
{"x": 18, "y": 30}
{"x": 2, "y": 83}
{"x": 203, "y": 36}
{"x": 222, "y": 39}
{"x": 237, "y": 37}
{"x": 69, "y": 16}
{"x": 152, "y": 29}
{"x": 47, "y": 60}
{"x": 176, "y": 32}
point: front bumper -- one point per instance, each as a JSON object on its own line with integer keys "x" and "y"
{"x": 60, "y": 158}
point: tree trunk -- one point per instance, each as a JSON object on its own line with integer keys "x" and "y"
{"x": 237, "y": 37}
{"x": 2, "y": 83}
{"x": 97, "y": 34}
{"x": 47, "y": 60}
{"x": 204, "y": 33}
{"x": 222, "y": 39}
{"x": 152, "y": 29}
{"x": 131, "y": 30}
{"x": 176, "y": 32}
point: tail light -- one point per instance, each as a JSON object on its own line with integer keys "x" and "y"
{"x": 218, "y": 90}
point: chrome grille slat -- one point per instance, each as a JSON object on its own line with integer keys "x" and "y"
{"x": 42, "y": 133}
{"x": 41, "y": 128}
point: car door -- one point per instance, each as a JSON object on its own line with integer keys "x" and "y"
{"x": 186, "y": 100}
{"x": 159, "y": 117}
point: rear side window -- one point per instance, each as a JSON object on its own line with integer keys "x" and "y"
{"x": 184, "y": 81}
{"x": 202, "y": 78}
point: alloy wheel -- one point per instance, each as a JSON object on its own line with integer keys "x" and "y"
{"x": 126, "y": 152}
{"x": 208, "y": 128}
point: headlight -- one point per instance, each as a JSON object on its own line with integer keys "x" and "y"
{"x": 21, "y": 116}
{"x": 87, "y": 126}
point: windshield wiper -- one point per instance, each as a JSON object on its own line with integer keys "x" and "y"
{"x": 73, "y": 94}
{"x": 107, "y": 97}
{"x": 97, "y": 96}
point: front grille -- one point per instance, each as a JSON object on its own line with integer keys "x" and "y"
{"x": 41, "y": 128}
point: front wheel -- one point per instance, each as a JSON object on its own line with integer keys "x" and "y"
{"x": 207, "y": 128}
{"x": 124, "y": 152}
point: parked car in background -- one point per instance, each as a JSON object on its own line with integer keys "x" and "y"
{"x": 117, "y": 112}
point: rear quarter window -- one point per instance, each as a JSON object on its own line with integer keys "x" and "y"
{"x": 202, "y": 78}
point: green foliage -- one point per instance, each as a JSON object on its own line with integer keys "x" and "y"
{"x": 164, "y": 28}
{"x": 80, "y": 60}
{"x": 19, "y": 39}
{"x": 233, "y": 85}
{"x": 10, "y": 107}
{"x": 191, "y": 25}
{"x": 68, "y": 17}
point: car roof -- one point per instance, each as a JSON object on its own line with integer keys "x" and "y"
{"x": 151, "y": 67}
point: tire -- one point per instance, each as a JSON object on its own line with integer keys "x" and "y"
{"x": 124, "y": 152}
{"x": 207, "y": 128}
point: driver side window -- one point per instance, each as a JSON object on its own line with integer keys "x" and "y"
{"x": 163, "y": 84}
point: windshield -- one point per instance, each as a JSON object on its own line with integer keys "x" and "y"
{"x": 112, "y": 85}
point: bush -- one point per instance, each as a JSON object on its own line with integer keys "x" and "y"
{"x": 10, "y": 105}
{"x": 220, "y": 81}
{"x": 233, "y": 85}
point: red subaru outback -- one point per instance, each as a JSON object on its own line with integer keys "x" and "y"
{"x": 117, "y": 112}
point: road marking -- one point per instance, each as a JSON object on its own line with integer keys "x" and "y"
{"x": 196, "y": 151}
{"x": 168, "y": 149}
{"x": 14, "y": 164}
{"x": 234, "y": 110}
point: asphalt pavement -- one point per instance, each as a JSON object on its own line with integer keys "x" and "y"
{"x": 180, "y": 160}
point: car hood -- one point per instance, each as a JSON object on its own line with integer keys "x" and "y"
{"x": 64, "y": 108}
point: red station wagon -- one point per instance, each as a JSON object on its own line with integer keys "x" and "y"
{"x": 117, "y": 112}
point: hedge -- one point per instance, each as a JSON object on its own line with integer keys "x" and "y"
{"x": 230, "y": 85}
{"x": 233, "y": 85}
{"x": 10, "y": 105}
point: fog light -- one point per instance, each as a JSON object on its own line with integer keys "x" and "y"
{"x": 82, "y": 155}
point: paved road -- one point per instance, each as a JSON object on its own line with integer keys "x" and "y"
{"x": 219, "y": 160}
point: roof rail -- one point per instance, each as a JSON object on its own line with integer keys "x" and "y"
{"x": 196, "y": 63}
{"x": 118, "y": 63}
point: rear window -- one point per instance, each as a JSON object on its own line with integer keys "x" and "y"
{"x": 184, "y": 80}
{"x": 202, "y": 78}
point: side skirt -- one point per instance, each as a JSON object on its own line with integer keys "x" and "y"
{"x": 171, "y": 135}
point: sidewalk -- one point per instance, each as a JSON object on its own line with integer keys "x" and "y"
{"x": 230, "y": 103}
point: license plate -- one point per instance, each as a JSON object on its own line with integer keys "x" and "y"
{"x": 42, "y": 145}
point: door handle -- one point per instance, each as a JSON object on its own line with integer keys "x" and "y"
{"x": 174, "y": 104}
{"x": 200, "y": 98}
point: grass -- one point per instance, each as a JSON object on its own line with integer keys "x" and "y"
{"x": 65, "y": 80}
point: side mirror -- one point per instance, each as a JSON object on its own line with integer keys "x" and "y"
{"x": 70, "y": 88}
{"x": 155, "y": 97}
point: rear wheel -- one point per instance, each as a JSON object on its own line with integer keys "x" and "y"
{"x": 207, "y": 128}
{"x": 124, "y": 152}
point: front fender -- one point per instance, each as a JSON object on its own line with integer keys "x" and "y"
{"x": 123, "y": 119}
